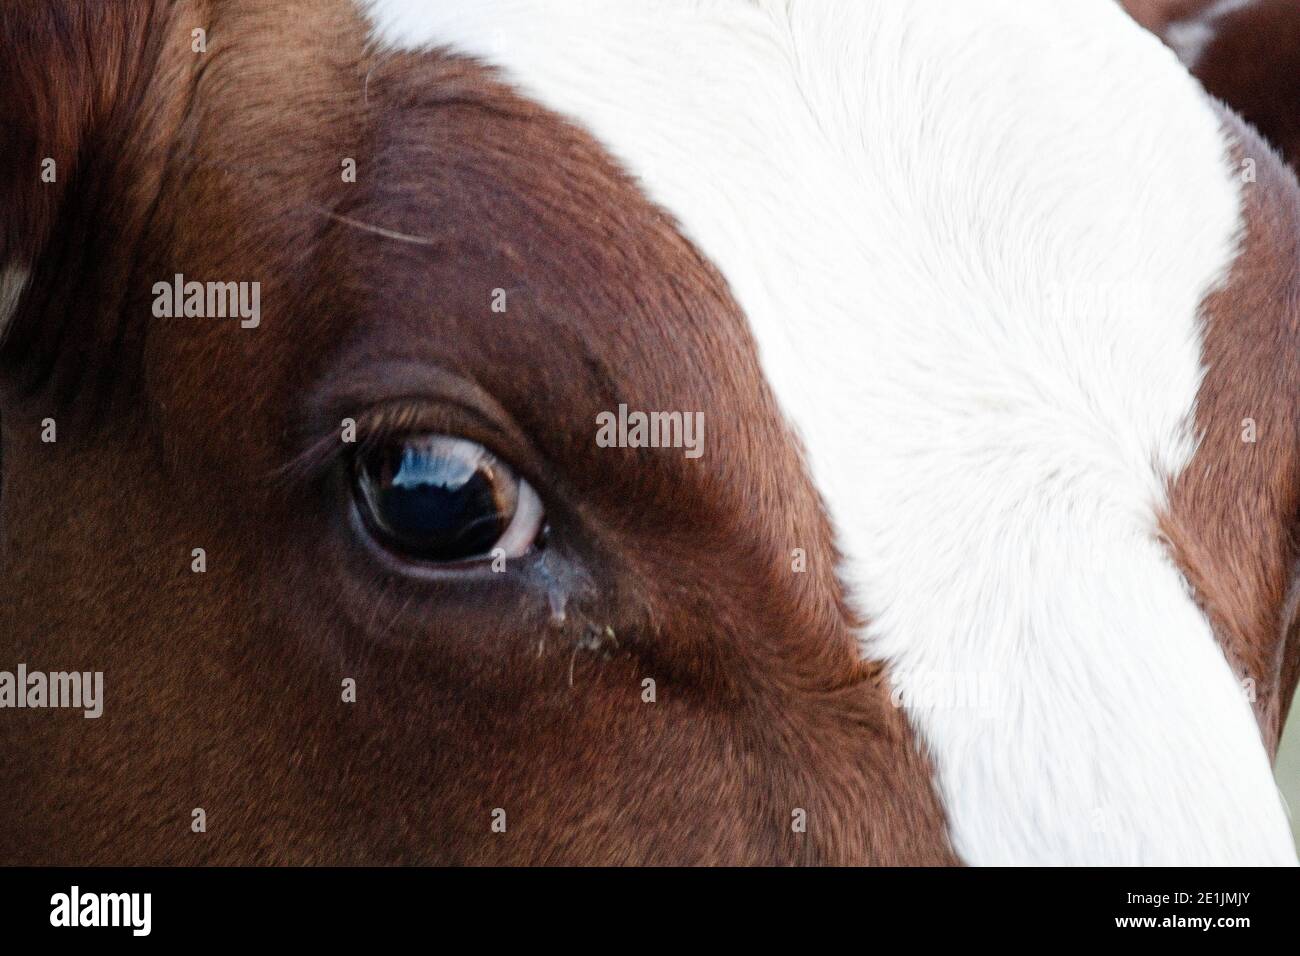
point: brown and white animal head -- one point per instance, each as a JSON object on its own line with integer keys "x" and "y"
{"x": 323, "y": 353}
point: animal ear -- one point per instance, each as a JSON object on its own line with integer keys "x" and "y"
{"x": 62, "y": 75}
{"x": 1245, "y": 53}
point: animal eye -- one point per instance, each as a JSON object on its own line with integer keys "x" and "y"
{"x": 441, "y": 499}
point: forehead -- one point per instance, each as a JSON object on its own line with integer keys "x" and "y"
{"x": 530, "y": 249}
{"x": 484, "y": 236}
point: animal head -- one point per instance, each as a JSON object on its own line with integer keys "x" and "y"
{"x": 533, "y": 433}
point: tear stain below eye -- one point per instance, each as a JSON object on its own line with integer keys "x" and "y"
{"x": 598, "y": 640}
{"x": 558, "y": 601}
{"x": 586, "y": 634}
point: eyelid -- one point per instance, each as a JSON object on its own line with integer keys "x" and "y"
{"x": 400, "y": 418}
{"x": 390, "y": 398}
{"x": 386, "y": 422}
{"x": 380, "y": 384}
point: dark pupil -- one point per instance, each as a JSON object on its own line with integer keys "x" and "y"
{"x": 436, "y": 499}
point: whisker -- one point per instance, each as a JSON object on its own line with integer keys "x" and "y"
{"x": 380, "y": 230}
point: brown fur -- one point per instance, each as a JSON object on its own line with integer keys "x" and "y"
{"x": 1234, "y": 519}
{"x": 223, "y": 688}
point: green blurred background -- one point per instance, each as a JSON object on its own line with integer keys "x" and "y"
{"x": 1288, "y": 767}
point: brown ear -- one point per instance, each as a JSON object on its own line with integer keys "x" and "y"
{"x": 1246, "y": 54}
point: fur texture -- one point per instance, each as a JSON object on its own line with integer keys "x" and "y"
{"x": 987, "y": 336}
{"x": 931, "y": 272}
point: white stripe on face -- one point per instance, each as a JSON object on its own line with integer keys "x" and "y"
{"x": 971, "y": 240}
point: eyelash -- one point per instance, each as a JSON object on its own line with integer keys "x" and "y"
{"x": 390, "y": 421}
